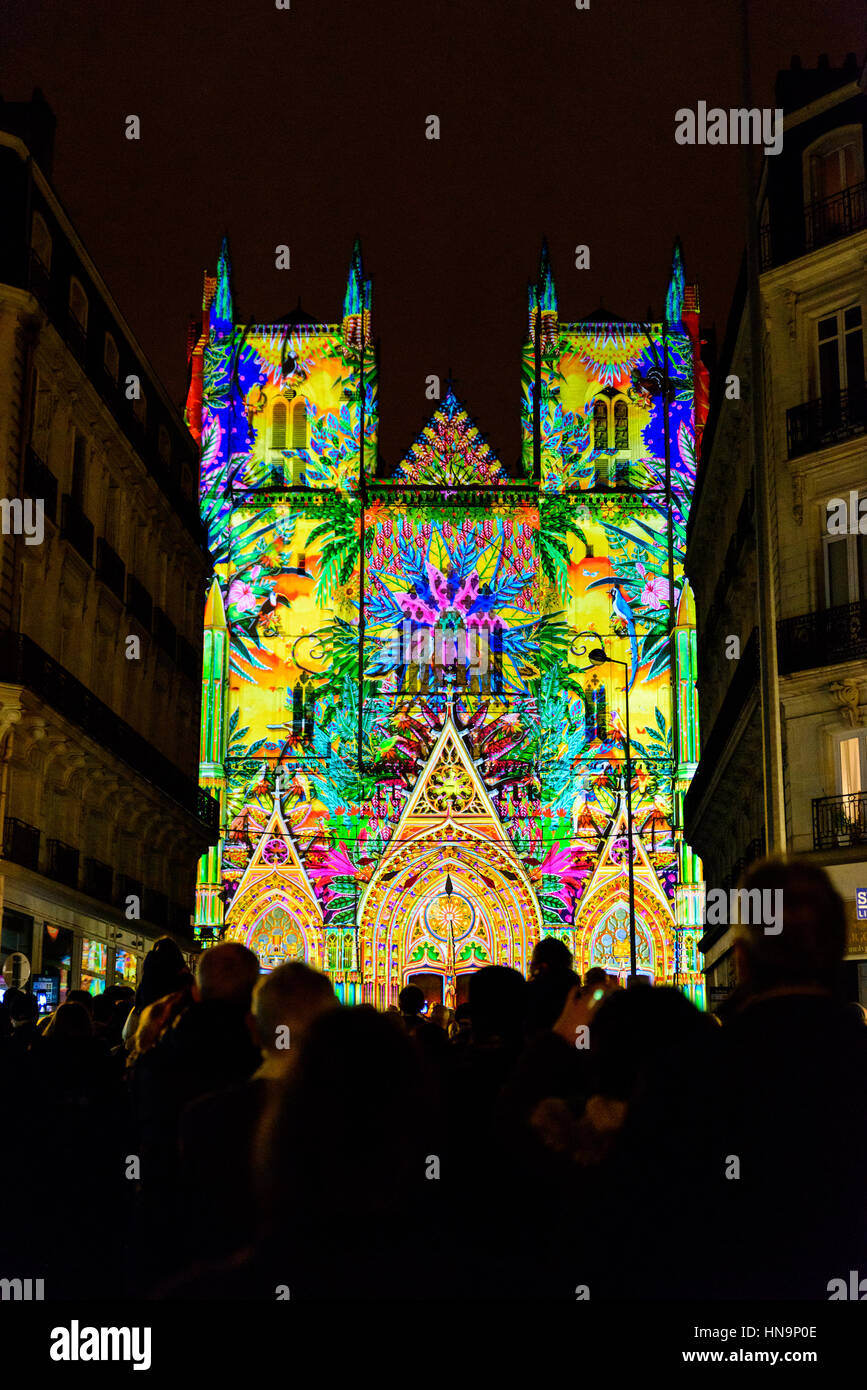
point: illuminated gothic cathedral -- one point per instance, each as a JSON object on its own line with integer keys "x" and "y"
{"x": 421, "y": 770}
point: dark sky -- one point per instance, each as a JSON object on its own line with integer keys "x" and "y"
{"x": 306, "y": 127}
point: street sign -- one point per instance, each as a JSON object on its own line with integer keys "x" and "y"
{"x": 16, "y": 970}
{"x": 861, "y": 902}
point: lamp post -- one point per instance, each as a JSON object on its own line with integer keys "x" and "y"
{"x": 451, "y": 962}
{"x": 600, "y": 657}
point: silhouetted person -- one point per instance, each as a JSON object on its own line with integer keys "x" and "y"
{"x": 164, "y": 971}
{"x": 356, "y": 1094}
{"x": 217, "y": 1131}
{"x": 793, "y": 1082}
{"x": 411, "y": 1002}
{"x": 207, "y": 1048}
{"x": 549, "y": 953}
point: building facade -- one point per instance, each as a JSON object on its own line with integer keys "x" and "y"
{"x": 796, "y": 683}
{"x": 103, "y": 575}
{"x": 420, "y": 766}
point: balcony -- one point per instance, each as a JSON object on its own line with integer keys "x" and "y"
{"x": 22, "y": 662}
{"x": 76, "y": 528}
{"x": 40, "y": 482}
{"x": 21, "y": 843}
{"x": 823, "y": 222}
{"x": 76, "y": 337}
{"x": 98, "y": 879}
{"x": 179, "y": 917}
{"x": 40, "y": 279}
{"x": 740, "y": 688}
{"x": 139, "y": 602}
{"x": 156, "y": 908}
{"x": 110, "y": 568}
{"x": 165, "y": 633}
{"x": 189, "y": 660}
{"x": 840, "y": 215}
{"x": 822, "y": 639}
{"x": 63, "y": 863}
{"x": 826, "y": 421}
{"x": 128, "y": 888}
{"x": 840, "y": 820}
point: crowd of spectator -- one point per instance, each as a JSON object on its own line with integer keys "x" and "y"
{"x": 232, "y": 1133}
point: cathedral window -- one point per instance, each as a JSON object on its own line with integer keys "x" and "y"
{"x": 278, "y": 426}
{"x": 299, "y": 424}
{"x": 621, "y": 426}
{"x": 600, "y": 425}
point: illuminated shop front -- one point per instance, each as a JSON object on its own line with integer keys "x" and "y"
{"x": 421, "y": 770}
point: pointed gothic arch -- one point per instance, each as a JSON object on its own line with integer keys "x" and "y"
{"x": 449, "y": 837}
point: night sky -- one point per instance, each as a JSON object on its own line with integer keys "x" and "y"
{"x": 307, "y": 127}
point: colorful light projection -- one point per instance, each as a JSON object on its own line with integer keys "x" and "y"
{"x": 420, "y": 769}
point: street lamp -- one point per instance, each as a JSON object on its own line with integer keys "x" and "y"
{"x": 600, "y": 657}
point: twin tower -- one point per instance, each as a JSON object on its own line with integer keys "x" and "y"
{"x": 390, "y": 810}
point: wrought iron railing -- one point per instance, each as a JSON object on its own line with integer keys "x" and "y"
{"x": 77, "y": 528}
{"x": 21, "y": 842}
{"x": 22, "y": 662}
{"x": 63, "y": 863}
{"x": 139, "y": 601}
{"x": 40, "y": 482}
{"x": 110, "y": 567}
{"x": 824, "y": 221}
{"x": 828, "y": 219}
{"x": 165, "y": 632}
{"x": 820, "y": 639}
{"x": 840, "y": 820}
{"x": 98, "y": 878}
{"x": 827, "y": 420}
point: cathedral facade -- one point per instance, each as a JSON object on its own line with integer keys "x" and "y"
{"x": 444, "y": 707}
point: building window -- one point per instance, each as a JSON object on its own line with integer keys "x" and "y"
{"x": 621, "y": 426}
{"x": 164, "y": 446}
{"x": 140, "y": 408}
{"x": 299, "y": 424}
{"x": 79, "y": 467}
{"x": 833, "y": 164}
{"x": 40, "y": 242}
{"x": 278, "y": 426}
{"x": 93, "y": 962}
{"x": 840, "y": 354}
{"x": 600, "y": 425}
{"x": 78, "y": 304}
{"x": 110, "y": 358}
{"x": 845, "y": 569}
{"x": 850, "y": 762}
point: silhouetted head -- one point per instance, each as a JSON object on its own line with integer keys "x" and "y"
{"x": 355, "y": 1095}
{"x": 550, "y": 954}
{"x": 596, "y": 978}
{"x": 498, "y": 1003}
{"x": 163, "y": 972}
{"x": 808, "y": 938}
{"x": 23, "y": 1008}
{"x": 72, "y": 1022}
{"x": 642, "y": 1031}
{"x": 292, "y": 996}
{"x": 410, "y": 1001}
{"x": 82, "y": 997}
{"x": 227, "y": 974}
